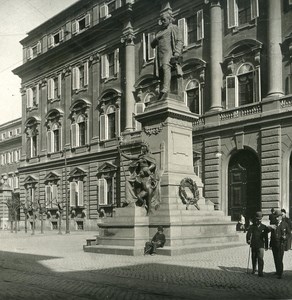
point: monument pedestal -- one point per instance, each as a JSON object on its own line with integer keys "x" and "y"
{"x": 167, "y": 129}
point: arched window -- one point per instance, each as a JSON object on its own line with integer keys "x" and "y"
{"x": 54, "y": 136}
{"x": 244, "y": 87}
{"x": 193, "y": 96}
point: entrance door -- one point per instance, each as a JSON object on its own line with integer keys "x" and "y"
{"x": 244, "y": 185}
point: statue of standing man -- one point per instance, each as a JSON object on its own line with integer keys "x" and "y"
{"x": 169, "y": 44}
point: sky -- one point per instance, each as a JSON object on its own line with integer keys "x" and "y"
{"x": 17, "y": 18}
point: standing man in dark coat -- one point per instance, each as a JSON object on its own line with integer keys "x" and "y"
{"x": 257, "y": 238}
{"x": 272, "y": 217}
{"x": 288, "y": 221}
{"x": 278, "y": 242}
{"x": 168, "y": 41}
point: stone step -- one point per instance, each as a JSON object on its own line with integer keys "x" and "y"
{"x": 167, "y": 250}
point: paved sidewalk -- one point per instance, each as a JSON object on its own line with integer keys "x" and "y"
{"x": 52, "y": 266}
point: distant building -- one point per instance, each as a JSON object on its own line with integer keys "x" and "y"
{"x": 88, "y": 71}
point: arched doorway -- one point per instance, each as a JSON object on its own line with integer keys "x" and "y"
{"x": 244, "y": 182}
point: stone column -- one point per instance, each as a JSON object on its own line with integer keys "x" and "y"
{"x": 216, "y": 54}
{"x": 128, "y": 40}
{"x": 274, "y": 38}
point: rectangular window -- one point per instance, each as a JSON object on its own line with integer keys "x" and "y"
{"x": 56, "y": 38}
{"x": 191, "y": 30}
{"x": 110, "y": 64}
{"x": 148, "y": 51}
{"x": 111, "y": 125}
{"x": 80, "y": 76}
{"x": 81, "y": 24}
{"x": 34, "y": 51}
{"x": 139, "y": 108}
{"x": 241, "y": 12}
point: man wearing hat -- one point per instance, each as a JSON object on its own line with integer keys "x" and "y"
{"x": 157, "y": 241}
{"x": 257, "y": 238}
{"x": 278, "y": 243}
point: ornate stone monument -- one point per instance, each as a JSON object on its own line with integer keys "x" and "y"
{"x": 163, "y": 188}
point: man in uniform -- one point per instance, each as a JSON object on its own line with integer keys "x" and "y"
{"x": 278, "y": 242}
{"x": 257, "y": 238}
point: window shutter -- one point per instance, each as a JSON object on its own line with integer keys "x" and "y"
{"x": 182, "y": 25}
{"x": 39, "y": 47}
{"x": 200, "y": 25}
{"x": 54, "y": 189}
{"x": 48, "y": 202}
{"x": 51, "y": 88}
{"x": 102, "y": 191}
{"x": 118, "y": 3}
{"x": 87, "y": 20}
{"x": 151, "y": 51}
{"x": 60, "y": 84}
{"x": 103, "y": 129}
{"x": 257, "y": 86}
{"x": 61, "y": 35}
{"x": 144, "y": 47}
{"x": 231, "y": 92}
{"x": 50, "y": 41}
{"x": 29, "y": 53}
{"x": 232, "y": 13}
{"x": 86, "y": 74}
{"x": 76, "y": 76}
{"x": 117, "y": 61}
{"x": 80, "y": 193}
{"x": 29, "y": 97}
{"x": 103, "y": 11}
{"x": 104, "y": 67}
{"x": 49, "y": 141}
{"x": 139, "y": 108}
{"x": 73, "y": 135}
{"x": 37, "y": 96}
{"x": 117, "y": 125}
{"x": 254, "y": 6}
{"x": 75, "y": 28}
{"x": 72, "y": 194}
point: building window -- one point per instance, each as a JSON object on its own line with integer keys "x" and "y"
{"x": 148, "y": 51}
{"x": 110, "y": 64}
{"x": 241, "y": 12}
{"x": 244, "y": 87}
{"x": 106, "y": 191}
{"x": 192, "y": 28}
{"x": 107, "y": 9}
{"x": 80, "y": 77}
{"x": 56, "y": 38}
{"x": 193, "y": 97}
{"x": 34, "y": 51}
{"x": 55, "y": 87}
{"x": 31, "y": 130}
{"x": 51, "y": 195}
{"x": 32, "y": 96}
{"x": 79, "y": 132}
{"x": 16, "y": 182}
{"x": 81, "y": 24}
{"x": 53, "y": 138}
{"x": 76, "y": 193}
{"x": 110, "y": 123}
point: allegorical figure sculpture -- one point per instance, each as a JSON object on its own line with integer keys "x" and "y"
{"x": 143, "y": 186}
{"x": 169, "y": 45}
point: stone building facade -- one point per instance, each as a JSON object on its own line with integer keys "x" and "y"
{"x": 88, "y": 71}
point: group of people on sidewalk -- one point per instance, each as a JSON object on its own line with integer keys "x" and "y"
{"x": 280, "y": 240}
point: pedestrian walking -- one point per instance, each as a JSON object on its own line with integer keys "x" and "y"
{"x": 157, "y": 241}
{"x": 257, "y": 238}
{"x": 278, "y": 242}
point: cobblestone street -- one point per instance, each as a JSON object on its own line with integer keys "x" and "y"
{"x": 52, "y": 266}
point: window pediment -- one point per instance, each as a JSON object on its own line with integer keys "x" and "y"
{"x": 107, "y": 167}
{"x": 30, "y": 180}
{"x": 77, "y": 172}
{"x": 52, "y": 176}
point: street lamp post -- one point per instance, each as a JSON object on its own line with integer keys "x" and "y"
{"x": 66, "y": 192}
